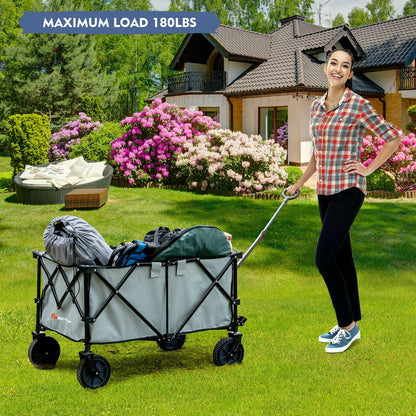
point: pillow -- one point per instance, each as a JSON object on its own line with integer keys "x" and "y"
{"x": 95, "y": 169}
{"x": 68, "y": 163}
{"x": 79, "y": 167}
{"x": 42, "y": 183}
{"x": 44, "y": 172}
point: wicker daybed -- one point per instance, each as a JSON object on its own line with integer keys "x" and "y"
{"x": 38, "y": 195}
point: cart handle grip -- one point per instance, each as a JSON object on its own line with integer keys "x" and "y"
{"x": 289, "y": 197}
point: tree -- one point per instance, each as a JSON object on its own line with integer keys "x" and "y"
{"x": 409, "y": 8}
{"x": 358, "y": 17}
{"x": 49, "y": 74}
{"x": 381, "y": 10}
{"x": 258, "y": 15}
{"x": 376, "y": 11}
{"x": 338, "y": 20}
{"x": 10, "y": 14}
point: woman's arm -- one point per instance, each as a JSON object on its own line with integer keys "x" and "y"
{"x": 354, "y": 166}
{"x": 310, "y": 170}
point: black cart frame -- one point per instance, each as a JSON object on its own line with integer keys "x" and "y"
{"x": 82, "y": 302}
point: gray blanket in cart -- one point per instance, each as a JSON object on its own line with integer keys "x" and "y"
{"x": 72, "y": 241}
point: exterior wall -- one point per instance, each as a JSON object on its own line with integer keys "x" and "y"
{"x": 299, "y": 141}
{"x": 384, "y": 79}
{"x": 237, "y": 114}
{"x": 191, "y": 66}
{"x": 397, "y": 102}
{"x": 194, "y": 101}
{"x": 234, "y": 69}
{"x": 377, "y": 104}
{"x": 394, "y": 108}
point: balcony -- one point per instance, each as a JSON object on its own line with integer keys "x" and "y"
{"x": 407, "y": 78}
{"x": 197, "y": 81}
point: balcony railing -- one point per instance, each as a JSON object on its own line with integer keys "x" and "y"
{"x": 197, "y": 81}
{"x": 407, "y": 78}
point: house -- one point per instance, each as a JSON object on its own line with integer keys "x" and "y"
{"x": 247, "y": 79}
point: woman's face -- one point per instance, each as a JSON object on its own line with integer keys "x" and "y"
{"x": 338, "y": 69}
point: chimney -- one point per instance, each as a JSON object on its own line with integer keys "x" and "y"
{"x": 289, "y": 19}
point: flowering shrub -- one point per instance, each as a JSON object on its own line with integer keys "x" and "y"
{"x": 223, "y": 160}
{"x": 401, "y": 165}
{"x": 281, "y": 136}
{"x": 62, "y": 142}
{"x": 147, "y": 150}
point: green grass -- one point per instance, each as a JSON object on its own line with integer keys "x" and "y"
{"x": 285, "y": 370}
{"x": 5, "y": 163}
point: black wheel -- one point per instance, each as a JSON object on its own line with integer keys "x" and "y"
{"x": 223, "y": 352}
{"x": 172, "y": 344}
{"x": 44, "y": 352}
{"x": 93, "y": 372}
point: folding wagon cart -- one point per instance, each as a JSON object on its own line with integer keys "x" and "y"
{"x": 158, "y": 301}
{"x": 148, "y": 301}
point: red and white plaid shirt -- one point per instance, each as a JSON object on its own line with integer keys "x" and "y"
{"x": 337, "y": 136}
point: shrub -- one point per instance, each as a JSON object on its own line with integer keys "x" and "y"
{"x": 96, "y": 146}
{"x": 411, "y": 112}
{"x": 62, "y": 142}
{"x": 411, "y": 127}
{"x": 93, "y": 106}
{"x": 293, "y": 175}
{"x": 3, "y": 143}
{"x": 380, "y": 181}
{"x": 223, "y": 160}
{"x": 6, "y": 182}
{"x": 28, "y": 140}
{"x": 401, "y": 165}
{"x": 147, "y": 151}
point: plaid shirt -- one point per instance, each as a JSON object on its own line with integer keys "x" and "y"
{"x": 337, "y": 136}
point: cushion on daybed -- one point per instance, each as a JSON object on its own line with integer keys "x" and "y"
{"x": 69, "y": 172}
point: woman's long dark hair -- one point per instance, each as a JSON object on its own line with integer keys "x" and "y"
{"x": 348, "y": 84}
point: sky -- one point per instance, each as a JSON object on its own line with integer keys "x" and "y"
{"x": 329, "y": 8}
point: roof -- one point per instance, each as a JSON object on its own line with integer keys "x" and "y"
{"x": 237, "y": 44}
{"x": 285, "y": 58}
{"x": 391, "y": 43}
{"x": 242, "y": 43}
{"x": 291, "y": 64}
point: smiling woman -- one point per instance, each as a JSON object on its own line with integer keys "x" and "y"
{"x": 337, "y": 124}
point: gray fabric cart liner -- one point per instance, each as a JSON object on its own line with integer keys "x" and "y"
{"x": 117, "y": 294}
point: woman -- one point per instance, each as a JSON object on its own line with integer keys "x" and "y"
{"x": 337, "y": 124}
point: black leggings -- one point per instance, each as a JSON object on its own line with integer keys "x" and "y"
{"x": 333, "y": 252}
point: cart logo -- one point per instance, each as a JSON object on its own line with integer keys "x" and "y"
{"x": 55, "y": 317}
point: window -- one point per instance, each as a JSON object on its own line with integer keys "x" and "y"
{"x": 213, "y": 112}
{"x": 273, "y": 124}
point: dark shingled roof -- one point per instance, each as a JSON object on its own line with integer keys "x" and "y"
{"x": 391, "y": 43}
{"x": 283, "y": 59}
{"x": 291, "y": 65}
{"x": 244, "y": 43}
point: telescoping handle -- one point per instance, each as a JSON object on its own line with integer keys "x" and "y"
{"x": 262, "y": 234}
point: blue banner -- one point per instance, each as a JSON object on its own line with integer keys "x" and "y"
{"x": 119, "y": 22}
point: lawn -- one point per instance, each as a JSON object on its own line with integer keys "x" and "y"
{"x": 285, "y": 370}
